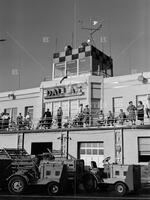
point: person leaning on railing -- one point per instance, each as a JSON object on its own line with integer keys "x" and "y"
{"x": 110, "y": 118}
{"x": 121, "y": 117}
{"x": 101, "y": 118}
{"x": 19, "y": 121}
{"x": 5, "y": 120}
{"x": 47, "y": 118}
{"x": 59, "y": 117}
{"x": 86, "y": 115}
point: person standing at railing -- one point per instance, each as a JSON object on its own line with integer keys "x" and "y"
{"x": 80, "y": 115}
{"x": 110, "y": 118}
{"x": 86, "y": 115}
{"x": 27, "y": 121}
{"x": 121, "y": 117}
{"x": 19, "y": 121}
{"x": 132, "y": 112}
{"x": 140, "y": 112}
{"x": 147, "y": 109}
{"x": 5, "y": 120}
{"x": 101, "y": 119}
{"x": 59, "y": 117}
{"x": 47, "y": 117}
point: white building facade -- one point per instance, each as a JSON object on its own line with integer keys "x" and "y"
{"x": 82, "y": 75}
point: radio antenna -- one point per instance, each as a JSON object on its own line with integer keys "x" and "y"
{"x": 92, "y": 29}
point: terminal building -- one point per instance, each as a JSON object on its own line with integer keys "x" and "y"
{"x": 82, "y": 76}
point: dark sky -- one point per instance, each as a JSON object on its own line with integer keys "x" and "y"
{"x": 32, "y": 27}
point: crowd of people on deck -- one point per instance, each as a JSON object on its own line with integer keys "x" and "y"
{"x": 132, "y": 114}
{"x": 6, "y": 122}
{"x": 83, "y": 118}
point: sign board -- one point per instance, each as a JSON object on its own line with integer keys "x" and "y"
{"x": 64, "y": 91}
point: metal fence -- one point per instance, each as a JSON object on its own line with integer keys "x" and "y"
{"x": 88, "y": 120}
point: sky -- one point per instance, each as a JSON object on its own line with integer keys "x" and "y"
{"x": 35, "y": 29}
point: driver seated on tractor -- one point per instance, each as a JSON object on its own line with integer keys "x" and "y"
{"x": 96, "y": 171}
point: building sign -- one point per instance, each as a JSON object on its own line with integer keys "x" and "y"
{"x": 64, "y": 91}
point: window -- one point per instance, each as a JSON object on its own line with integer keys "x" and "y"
{"x": 71, "y": 67}
{"x": 48, "y": 173}
{"x": 144, "y": 149}
{"x": 89, "y": 151}
{"x": 143, "y": 98}
{"x": 96, "y": 90}
{"x": 117, "y": 105}
{"x": 30, "y": 110}
{"x": 73, "y": 108}
{"x": 59, "y": 70}
{"x": 95, "y": 99}
{"x": 57, "y": 173}
{"x": 84, "y": 65}
{"x": 40, "y": 147}
{"x": 12, "y": 113}
{"x": 65, "y": 108}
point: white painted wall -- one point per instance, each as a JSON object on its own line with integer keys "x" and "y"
{"x": 127, "y": 86}
{"x": 131, "y": 144}
{"x": 27, "y": 97}
{"x": 8, "y": 140}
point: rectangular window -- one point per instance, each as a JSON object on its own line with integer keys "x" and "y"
{"x": 71, "y": 67}
{"x": 96, "y": 90}
{"x": 73, "y": 108}
{"x": 59, "y": 70}
{"x": 95, "y": 100}
{"x": 56, "y": 105}
{"x": 12, "y": 113}
{"x": 117, "y": 105}
{"x": 144, "y": 149}
{"x": 143, "y": 98}
{"x": 30, "y": 110}
{"x": 89, "y": 151}
{"x": 84, "y": 65}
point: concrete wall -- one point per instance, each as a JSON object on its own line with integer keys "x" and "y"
{"x": 8, "y": 140}
{"x": 23, "y": 98}
{"x": 131, "y": 144}
{"x": 127, "y": 86}
{"x": 76, "y": 136}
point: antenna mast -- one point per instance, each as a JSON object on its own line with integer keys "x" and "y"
{"x": 92, "y": 29}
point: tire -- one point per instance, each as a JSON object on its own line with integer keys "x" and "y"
{"x": 53, "y": 188}
{"x": 89, "y": 183}
{"x": 16, "y": 185}
{"x": 120, "y": 189}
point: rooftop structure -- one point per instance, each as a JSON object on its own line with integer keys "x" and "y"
{"x": 86, "y": 59}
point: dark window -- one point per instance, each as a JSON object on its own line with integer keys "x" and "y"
{"x": 40, "y": 147}
{"x": 57, "y": 173}
{"x": 124, "y": 173}
{"x": 144, "y": 149}
{"x": 48, "y": 173}
{"x": 117, "y": 173}
{"x": 88, "y": 151}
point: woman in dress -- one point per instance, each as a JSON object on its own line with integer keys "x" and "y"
{"x": 131, "y": 110}
{"x": 140, "y": 112}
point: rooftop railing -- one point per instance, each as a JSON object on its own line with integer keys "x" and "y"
{"x": 87, "y": 120}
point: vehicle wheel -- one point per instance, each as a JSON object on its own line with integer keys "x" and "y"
{"x": 53, "y": 188}
{"x": 16, "y": 185}
{"x": 89, "y": 183}
{"x": 120, "y": 188}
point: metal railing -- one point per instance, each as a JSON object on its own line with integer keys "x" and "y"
{"x": 89, "y": 120}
